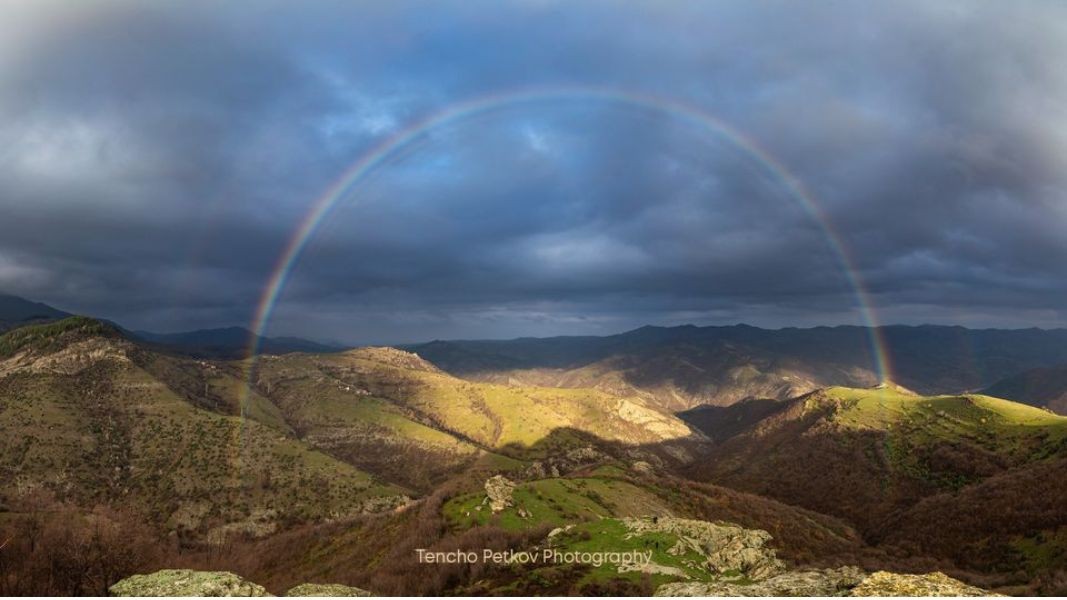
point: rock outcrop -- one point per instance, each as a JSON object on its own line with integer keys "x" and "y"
{"x": 743, "y": 565}
{"x": 559, "y": 465}
{"x": 499, "y": 489}
{"x": 827, "y": 582}
{"x": 843, "y": 581}
{"x": 327, "y": 589}
{"x": 643, "y": 467}
{"x": 728, "y": 548}
{"x": 884, "y": 583}
{"x": 185, "y": 582}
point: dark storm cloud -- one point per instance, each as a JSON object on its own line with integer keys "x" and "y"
{"x": 156, "y": 157}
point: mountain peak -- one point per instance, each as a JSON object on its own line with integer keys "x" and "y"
{"x": 393, "y": 357}
{"x": 49, "y": 337}
{"x": 16, "y": 311}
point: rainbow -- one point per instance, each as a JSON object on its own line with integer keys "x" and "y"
{"x": 391, "y": 146}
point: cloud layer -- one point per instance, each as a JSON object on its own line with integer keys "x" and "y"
{"x": 155, "y": 159}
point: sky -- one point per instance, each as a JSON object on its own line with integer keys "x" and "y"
{"x": 630, "y": 163}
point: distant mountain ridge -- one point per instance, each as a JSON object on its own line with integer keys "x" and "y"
{"x": 687, "y": 366}
{"x": 230, "y": 342}
{"x": 15, "y": 311}
{"x": 683, "y": 367}
{"x": 1043, "y": 386}
{"x": 225, "y": 342}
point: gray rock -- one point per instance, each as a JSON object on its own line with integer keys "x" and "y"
{"x": 499, "y": 490}
{"x": 826, "y": 582}
{"x": 326, "y": 589}
{"x": 642, "y": 467}
{"x": 884, "y": 583}
{"x": 727, "y": 547}
{"x": 185, "y": 582}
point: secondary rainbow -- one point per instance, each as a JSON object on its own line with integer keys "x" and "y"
{"x": 382, "y": 151}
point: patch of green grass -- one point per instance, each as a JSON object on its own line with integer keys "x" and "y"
{"x": 349, "y": 409}
{"x": 609, "y": 471}
{"x": 491, "y": 461}
{"x": 612, "y": 535}
{"x": 556, "y": 502}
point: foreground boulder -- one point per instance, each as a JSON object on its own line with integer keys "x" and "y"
{"x": 843, "y": 581}
{"x": 827, "y": 582}
{"x": 326, "y": 589}
{"x": 185, "y": 582}
{"x": 884, "y": 583}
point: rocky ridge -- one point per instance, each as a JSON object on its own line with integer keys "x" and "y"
{"x": 843, "y": 581}
{"x": 185, "y": 582}
{"x": 728, "y": 548}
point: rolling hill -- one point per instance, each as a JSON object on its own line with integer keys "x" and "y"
{"x": 99, "y": 417}
{"x": 895, "y": 464}
{"x": 92, "y": 423}
{"x": 382, "y": 406}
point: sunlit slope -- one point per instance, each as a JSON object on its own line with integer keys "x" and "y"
{"x": 558, "y": 502}
{"x": 83, "y": 421}
{"x": 401, "y": 392}
{"x": 680, "y": 368}
{"x": 862, "y": 454}
{"x": 988, "y": 422}
{"x": 330, "y": 407}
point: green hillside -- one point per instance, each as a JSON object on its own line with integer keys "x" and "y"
{"x": 1001, "y": 426}
{"x": 100, "y": 419}
{"x": 89, "y": 425}
{"x": 861, "y": 454}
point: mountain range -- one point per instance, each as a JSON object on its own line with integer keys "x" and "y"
{"x": 15, "y": 312}
{"x": 225, "y": 342}
{"x": 681, "y": 368}
{"x": 686, "y": 367}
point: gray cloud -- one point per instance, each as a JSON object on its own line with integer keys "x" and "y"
{"x": 156, "y": 158}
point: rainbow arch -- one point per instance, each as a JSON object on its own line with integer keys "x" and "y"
{"x": 392, "y": 145}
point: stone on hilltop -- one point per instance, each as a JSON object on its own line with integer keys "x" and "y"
{"x": 185, "y": 582}
{"x": 499, "y": 490}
